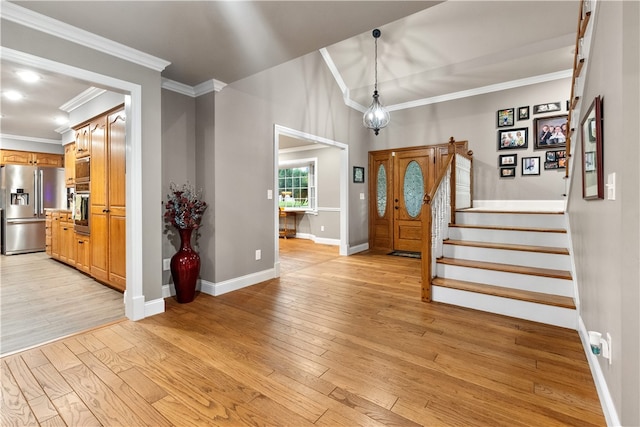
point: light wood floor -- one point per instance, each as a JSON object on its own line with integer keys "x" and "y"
{"x": 42, "y": 300}
{"x": 336, "y": 341}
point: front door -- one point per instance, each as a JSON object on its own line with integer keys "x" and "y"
{"x": 398, "y": 182}
{"x": 413, "y": 176}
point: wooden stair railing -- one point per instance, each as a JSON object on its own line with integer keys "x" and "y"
{"x": 452, "y": 190}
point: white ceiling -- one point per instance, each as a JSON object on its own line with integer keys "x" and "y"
{"x": 428, "y": 49}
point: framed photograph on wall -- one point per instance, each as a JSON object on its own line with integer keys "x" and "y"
{"x": 549, "y": 107}
{"x": 523, "y": 113}
{"x": 513, "y": 138}
{"x": 555, "y": 160}
{"x": 507, "y": 160}
{"x": 530, "y": 166}
{"x": 507, "y": 172}
{"x": 358, "y": 174}
{"x": 551, "y": 132}
{"x": 505, "y": 117}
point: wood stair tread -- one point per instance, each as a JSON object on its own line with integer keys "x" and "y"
{"x": 509, "y": 246}
{"x": 508, "y": 268}
{"x": 499, "y": 291}
{"x": 510, "y": 228}
{"x": 498, "y": 211}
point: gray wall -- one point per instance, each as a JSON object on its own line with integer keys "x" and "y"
{"x": 30, "y": 41}
{"x": 178, "y": 156}
{"x": 605, "y": 233}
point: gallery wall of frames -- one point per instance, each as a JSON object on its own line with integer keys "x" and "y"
{"x": 547, "y": 135}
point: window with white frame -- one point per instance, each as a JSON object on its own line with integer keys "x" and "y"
{"x": 297, "y": 184}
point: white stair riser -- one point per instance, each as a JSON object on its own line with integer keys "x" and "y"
{"x": 551, "y": 315}
{"x": 524, "y": 258}
{"x": 534, "y": 238}
{"x": 513, "y": 220}
{"x": 547, "y": 285}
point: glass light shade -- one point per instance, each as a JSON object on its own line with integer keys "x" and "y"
{"x": 376, "y": 117}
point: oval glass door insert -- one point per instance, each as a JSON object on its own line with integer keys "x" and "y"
{"x": 413, "y": 189}
{"x": 381, "y": 190}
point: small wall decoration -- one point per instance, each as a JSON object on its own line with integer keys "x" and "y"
{"x": 547, "y": 108}
{"x": 530, "y": 166}
{"x": 513, "y": 138}
{"x": 358, "y": 174}
{"x": 508, "y": 172}
{"x": 523, "y": 113}
{"x": 592, "y": 152}
{"x": 505, "y": 117}
{"x": 555, "y": 159}
{"x": 551, "y": 132}
{"x": 508, "y": 160}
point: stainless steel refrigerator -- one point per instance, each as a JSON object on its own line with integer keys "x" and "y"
{"x": 26, "y": 192}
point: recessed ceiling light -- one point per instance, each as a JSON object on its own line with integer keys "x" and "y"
{"x": 13, "y": 95}
{"x": 28, "y": 76}
{"x": 61, "y": 120}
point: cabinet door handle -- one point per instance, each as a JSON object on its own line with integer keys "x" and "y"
{"x": 80, "y": 242}
{"x": 65, "y": 228}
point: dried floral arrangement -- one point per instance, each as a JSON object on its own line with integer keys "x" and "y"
{"x": 184, "y": 207}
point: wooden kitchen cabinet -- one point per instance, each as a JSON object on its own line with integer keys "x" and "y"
{"x": 108, "y": 205}
{"x": 83, "y": 253}
{"x": 83, "y": 141}
{"x": 70, "y": 164}
{"x": 16, "y": 157}
{"x": 47, "y": 231}
{"x": 66, "y": 235}
{"x": 55, "y": 234}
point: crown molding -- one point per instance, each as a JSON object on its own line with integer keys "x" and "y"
{"x": 193, "y": 91}
{"x": 440, "y": 98}
{"x": 81, "y": 99}
{"x": 45, "y": 24}
{"x": 4, "y": 136}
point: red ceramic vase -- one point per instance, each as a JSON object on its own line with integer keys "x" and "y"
{"x": 185, "y": 268}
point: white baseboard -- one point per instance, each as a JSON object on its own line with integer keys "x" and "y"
{"x": 520, "y": 205}
{"x": 155, "y": 306}
{"x": 608, "y": 407}
{"x": 225, "y": 286}
{"x": 358, "y": 248}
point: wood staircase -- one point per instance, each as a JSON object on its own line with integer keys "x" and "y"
{"x": 511, "y": 263}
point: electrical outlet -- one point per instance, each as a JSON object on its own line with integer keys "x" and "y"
{"x": 258, "y": 254}
{"x": 322, "y": 228}
{"x": 166, "y": 264}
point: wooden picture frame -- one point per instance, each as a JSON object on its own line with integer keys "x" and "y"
{"x": 513, "y": 138}
{"x": 592, "y": 152}
{"x": 551, "y": 132}
{"x": 358, "y": 174}
{"x": 530, "y": 166}
{"x": 505, "y": 117}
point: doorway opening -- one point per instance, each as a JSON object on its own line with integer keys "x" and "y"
{"x": 281, "y": 134}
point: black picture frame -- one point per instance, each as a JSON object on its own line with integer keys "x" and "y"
{"x": 505, "y": 117}
{"x": 358, "y": 174}
{"x": 549, "y": 107}
{"x": 556, "y": 159}
{"x": 508, "y": 172}
{"x": 523, "y": 113}
{"x": 592, "y": 152}
{"x": 530, "y": 166}
{"x": 507, "y": 160}
{"x": 509, "y": 139}
{"x": 551, "y": 132}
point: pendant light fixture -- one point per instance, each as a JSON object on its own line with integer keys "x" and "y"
{"x": 376, "y": 117}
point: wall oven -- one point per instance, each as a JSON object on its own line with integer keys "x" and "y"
{"x": 81, "y": 208}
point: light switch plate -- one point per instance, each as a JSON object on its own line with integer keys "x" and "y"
{"x": 611, "y": 186}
